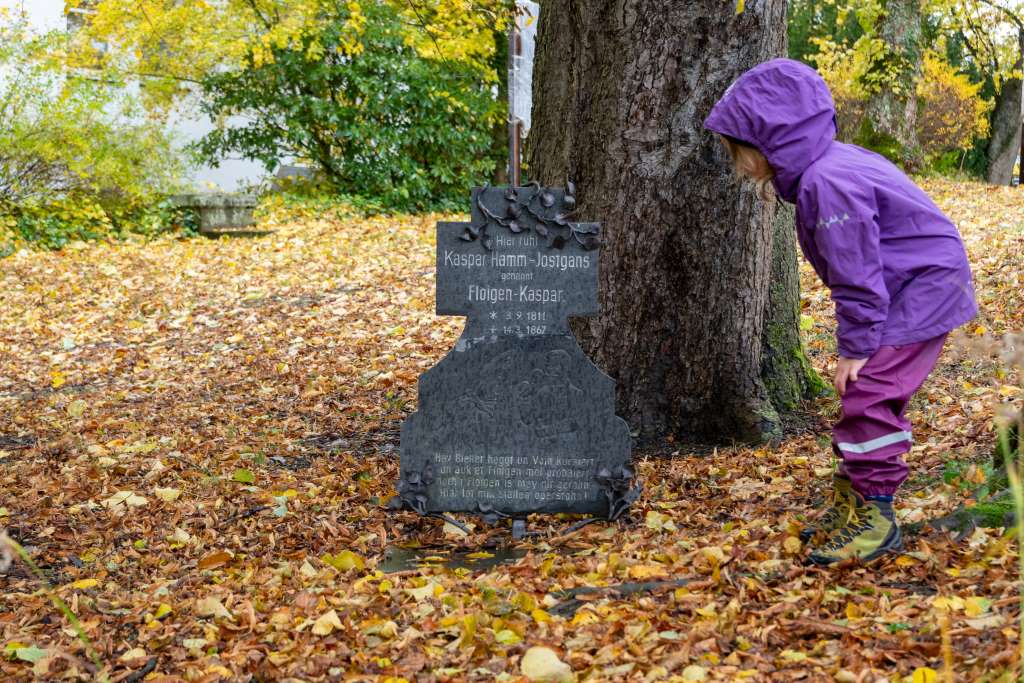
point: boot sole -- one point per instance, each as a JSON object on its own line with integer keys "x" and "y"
{"x": 892, "y": 544}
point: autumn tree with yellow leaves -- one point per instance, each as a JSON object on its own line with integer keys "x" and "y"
{"x": 393, "y": 103}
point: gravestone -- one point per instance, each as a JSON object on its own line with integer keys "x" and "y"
{"x": 516, "y": 419}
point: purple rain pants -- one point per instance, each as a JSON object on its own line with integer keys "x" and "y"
{"x": 872, "y": 435}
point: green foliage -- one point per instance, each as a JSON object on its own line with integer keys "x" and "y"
{"x": 80, "y": 218}
{"x": 78, "y": 160}
{"x": 811, "y": 20}
{"x": 385, "y": 123}
{"x": 67, "y": 134}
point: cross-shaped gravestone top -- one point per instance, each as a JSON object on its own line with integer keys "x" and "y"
{"x": 516, "y": 418}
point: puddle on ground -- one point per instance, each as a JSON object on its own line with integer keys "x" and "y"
{"x": 400, "y": 558}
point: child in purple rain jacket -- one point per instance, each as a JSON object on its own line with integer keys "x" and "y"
{"x": 898, "y": 274}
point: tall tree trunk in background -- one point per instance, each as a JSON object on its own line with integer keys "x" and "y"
{"x": 1004, "y": 145}
{"x": 892, "y": 111}
{"x": 785, "y": 370}
{"x": 621, "y": 88}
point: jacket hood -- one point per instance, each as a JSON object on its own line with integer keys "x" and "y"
{"x": 785, "y": 110}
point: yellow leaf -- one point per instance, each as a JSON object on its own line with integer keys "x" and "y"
{"x": 540, "y": 615}
{"x": 507, "y": 637}
{"x": 905, "y": 561}
{"x": 85, "y": 584}
{"x": 167, "y": 495}
{"x": 714, "y": 554}
{"x": 924, "y": 675}
{"x": 423, "y": 592}
{"x": 162, "y": 610}
{"x": 793, "y": 656}
{"x": 212, "y": 607}
{"x": 543, "y": 664}
{"x": 950, "y": 603}
{"x": 326, "y": 623}
{"x": 694, "y": 672}
{"x": 707, "y": 611}
{"x": 646, "y": 571}
{"x": 659, "y": 521}
{"x": 122, "y": 500}
{"x": 739, "y": 6}
{"x": 134, "y": 653}
{"x": 792, "y": 545}
{"x": 57, "y": 379}
{"x": 584, "y": 617}
{"x": 976, "y": 606}
{"x": 344, "y": 561}
{"x": 76, "y": 408}
{"x": 452, "y": 531}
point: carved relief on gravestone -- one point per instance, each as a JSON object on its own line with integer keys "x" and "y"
{"x": 516, "y": 418}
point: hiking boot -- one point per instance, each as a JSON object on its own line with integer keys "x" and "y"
{"x": 836, "y": 514}
{"x": 870, "y": 532}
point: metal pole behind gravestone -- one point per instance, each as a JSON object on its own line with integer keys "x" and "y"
{"x": 521, "y": 39}
{"x": 514, "y": 51}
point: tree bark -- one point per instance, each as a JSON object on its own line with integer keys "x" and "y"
{"x": 621, "y": 89}
{"x": 1004, "y": 144}
{"x": 892, "y": 109}
{"x": 785, "y": 370}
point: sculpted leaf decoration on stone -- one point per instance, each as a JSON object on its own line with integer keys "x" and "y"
{"x": 540, "y": 212}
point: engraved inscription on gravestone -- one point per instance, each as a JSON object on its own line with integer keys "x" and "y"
{"x": 516, "y": 418}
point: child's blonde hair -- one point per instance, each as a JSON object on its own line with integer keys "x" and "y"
{"x": 750, "y": 163}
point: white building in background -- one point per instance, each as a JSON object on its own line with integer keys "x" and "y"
{"x": 185, "y": 127}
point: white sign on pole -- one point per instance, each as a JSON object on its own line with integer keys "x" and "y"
{"x": 521, "y": 85}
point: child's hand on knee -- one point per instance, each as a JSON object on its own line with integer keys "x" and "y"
{"x": 847, "y": 371}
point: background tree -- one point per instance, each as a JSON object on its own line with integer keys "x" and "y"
{"x": 77, "y": 160}
{"x": 891, "y": 113}
{"x": 393, "y": 101}
{"x": 981, "y": 22}
{"x": 380, "y": 122}
{"x": 621, "y": 91}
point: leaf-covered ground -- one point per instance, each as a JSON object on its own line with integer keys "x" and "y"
{"x": 196, "y": 436}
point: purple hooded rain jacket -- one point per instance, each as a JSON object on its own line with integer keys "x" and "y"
{"x": 894, "y": 262}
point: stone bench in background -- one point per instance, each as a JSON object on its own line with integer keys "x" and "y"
{"x": 222, "y": 213}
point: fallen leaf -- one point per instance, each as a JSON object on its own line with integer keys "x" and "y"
{"x": 122, "y": 500}
{"x": 924, "y": 675}
{"x": 167, "y": 495}
{"x": 29, "y": 653}
{"x": 542, "y": 664}
{"x": 218, "y": 559}
{"x": 326, "y": 623}
{"x": 212, "y": 607}
{"x": 345, "y": 561}
{"x": 134, "y": 653}
{"x": 695, "y": 673}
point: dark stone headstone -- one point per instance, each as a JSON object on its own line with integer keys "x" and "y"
{"x": 516, "y": 419}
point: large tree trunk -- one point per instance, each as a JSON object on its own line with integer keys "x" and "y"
{"x": 621, "y": 90}
{"x": 891, "y": 114}
{"x": 1004, "y": 145}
